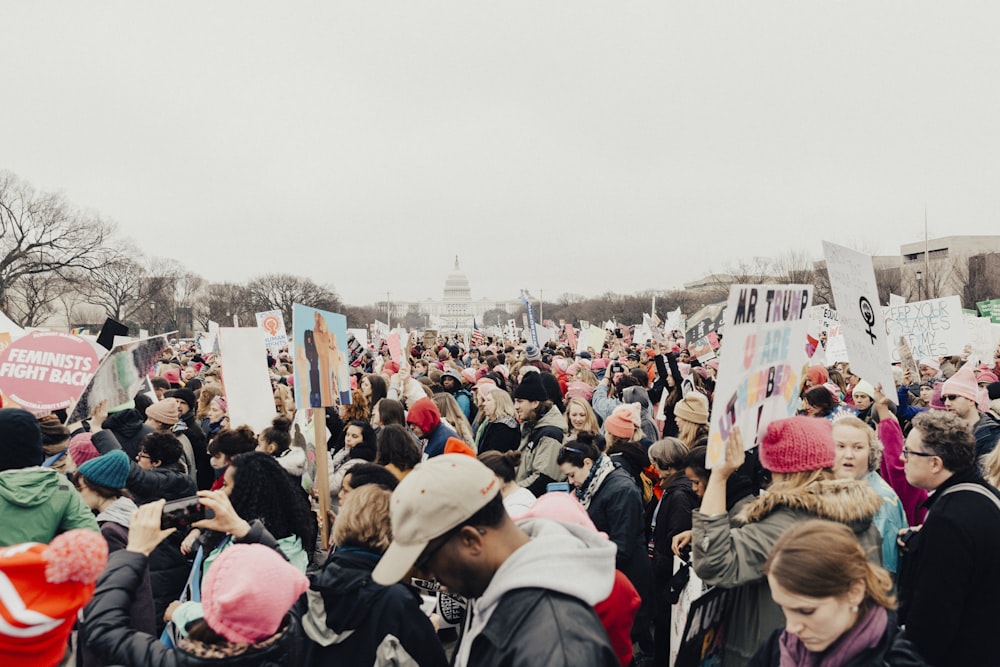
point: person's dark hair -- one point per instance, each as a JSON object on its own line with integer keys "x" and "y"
{"x": 194, "y": 384}
{"x": 626, "y": 380}
{"x": 575, "y": 451}
{"x": 503, "y": 464}
{"x": 948, "y": 436}
{"x": 539, "y": 412}
{"x": 491, "y": 515}
{"x": 159, "y": 383}
{"x": 279, "y": 434}
{"x": 553, "y": 390}
{"x": 596, "y": 440}
{"x": 368, "y": 447}
{"x": 263, "y": 490}
{"x": 102, "y": 491}
{"x": 233, "y": 441}
{"x": 696, "y": 461}
{"x": 820, "y": 397}
{"x": 390, "y": 411}
{"x": 640, "y": 376}
{"x": 142, "y": 401}
{"x": 201, "y": 631}
{"x": 396, "y": 446}
{"x": 371, "y": 473}
{"x": 162, "y": 447}
{"x": 379, "y": 388}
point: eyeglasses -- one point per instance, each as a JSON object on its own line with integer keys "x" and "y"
{"x": 142, "y": 455}
{"x": 907, "y": 452}
{"x": 951, "y": 397}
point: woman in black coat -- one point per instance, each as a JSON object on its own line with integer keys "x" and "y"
{"x": 499, "y": 430}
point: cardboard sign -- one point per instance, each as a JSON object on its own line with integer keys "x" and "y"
{"x": 982, "y": 337}
{"x": 120, "y": 375}
{"x": 932, "y": 328}
{"x": 46, "y": 370}
{"x": 273, "y": 324}
{"x": 395, "y": 349}
{"x": 852, "y": 278}
{"x": 704, "y": 634}
{"x": 759, "y": 380}
{"x": 322, "y": 372}
{"x": 244, "y": 372}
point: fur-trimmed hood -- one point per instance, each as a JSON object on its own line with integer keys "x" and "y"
{"x": 847, "y": 501}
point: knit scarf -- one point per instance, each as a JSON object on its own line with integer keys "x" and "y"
{"x": 595, "y": 478}
{"x": 866, "y": 634}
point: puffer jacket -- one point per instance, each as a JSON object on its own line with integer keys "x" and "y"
{"x": 350, "y": 620}
{"x": 105, "y": 629}
{"x": 540, "y": 452}
{"x": 36, "y": 504}
{"x": 893, "y": 649}
{"x": 734, "y": 557}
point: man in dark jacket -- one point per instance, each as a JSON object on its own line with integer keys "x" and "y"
{"x": 531, "y": 586}
{"x": 961, "y": 396}
{"x": 949, "y": 582}
{"x": 129, "y": 428}
{"x": 186, "y": 405}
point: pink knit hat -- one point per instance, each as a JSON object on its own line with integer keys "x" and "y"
{"x": 248, "y": 591}
{"x": 81, "y": 449}
{"x": 798, "y": 444}
{"x": 577, "y": 389}
{"x": 962, "y": 383}
{"x": 623, "y": 421}
{"x": 560, "y": 507}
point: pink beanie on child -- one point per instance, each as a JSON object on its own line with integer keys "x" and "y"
{"x": 248, "y": 591}
{"x": 798, "y": 444}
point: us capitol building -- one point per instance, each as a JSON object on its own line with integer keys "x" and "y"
{"x": 456, "y": 309}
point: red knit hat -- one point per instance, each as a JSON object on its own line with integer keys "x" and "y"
{"x": 798, "y": 444}
{"x": 42, "y": 587}
{"x": 424, "y": 414}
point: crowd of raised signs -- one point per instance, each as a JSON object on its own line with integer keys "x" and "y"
{"x": 502, "y": 503}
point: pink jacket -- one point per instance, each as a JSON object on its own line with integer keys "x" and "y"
{"x": 891, "y": 469}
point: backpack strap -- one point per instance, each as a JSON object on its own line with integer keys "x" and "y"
{"x": 553, "y": 432}
{"x": 977, "y": 488}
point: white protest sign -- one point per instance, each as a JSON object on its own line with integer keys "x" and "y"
{"x": 932, "y": 328}
{"x": 360, "y": 335}
{"x": 244, "y": 373}
{"x": 895, "y": 300}
{"x": 654, "y": 331}
{"x": 982, "y": 335}
{"x": 852, "y": 278}
{"x": 836, "y": 346}
{"x": 674, "y": 321}
{"x": 273, "y": 324}
{"x": 759, "y": 382}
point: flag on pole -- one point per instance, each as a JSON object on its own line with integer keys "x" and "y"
{"x": 477, "y": 336}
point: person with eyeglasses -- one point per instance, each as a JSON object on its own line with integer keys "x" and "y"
{"x": 949, "y": 582}
{"x": 961, "y": 395}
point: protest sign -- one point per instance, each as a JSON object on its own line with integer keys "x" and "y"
{"x": 273, "y": 324}
{"x": 709, "y": 318}
{"x": 244, "y": 372}
{"x": 702, "y": 350}
{"x": 395, "y": 348}
{"x": 46, "y": 370}
{"x": 704, "y": 635}
{"x": 360, "y": 335}
{"x": 654, "y": 331}
{"x": 8, "y": 326}
{"x": 120, "y": 375}
{"x": 982, "y": 337}
{"x": 4, "y": 341}
{"x": 594, "y": 339}
{"x": 680, "y": 611}
{"x": 673, "y": 322}
{"x": 322, "y": 375}
{"x": 571, "y": 337}
{"x": 759, "y": 379}
{"x": 896, "y": 300}
{"x": 836, "y": 346}
{"x": 932, "y": 328}
{"x": 111, "y": 329}
{"x": 906, "y": 358}
{"x": 852, "y": 278}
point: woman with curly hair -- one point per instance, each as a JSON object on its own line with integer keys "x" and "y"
{"x": 259, "y": 489}
{"x": 359, "y": 445}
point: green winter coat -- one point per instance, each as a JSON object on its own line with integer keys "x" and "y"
{"x": 36, "y": 504}
{"x": 733, "y": 558}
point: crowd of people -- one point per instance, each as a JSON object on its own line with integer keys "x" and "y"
{"x": 558, "y": 499}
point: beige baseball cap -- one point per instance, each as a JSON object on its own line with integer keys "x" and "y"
{"x": 435, "y": 497}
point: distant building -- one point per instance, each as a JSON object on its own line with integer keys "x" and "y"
{"x": 945, "y": 266}
{"x": 456, "y": 309}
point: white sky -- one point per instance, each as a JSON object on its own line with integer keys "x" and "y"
{"x": 560, "y": 146}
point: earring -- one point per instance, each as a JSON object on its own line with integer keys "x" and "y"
{"x": 854, "y": 608}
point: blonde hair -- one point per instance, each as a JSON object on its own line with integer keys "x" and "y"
{"x": 591, "y": 425}
{"x": 690, "y": 433}
{"x": 586, "y": 376}
{"x": 504, "y": 404}
{"x": 448, "y": 407}
{"x": 991, "y": 467}
{"x": 364, "y": 519}
{"x": 874, "y": 444}
{"x": 787, "y": 481}
{"x": 822, "y": 559}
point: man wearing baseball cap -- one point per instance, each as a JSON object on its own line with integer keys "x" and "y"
{"x": 531, "y": 586}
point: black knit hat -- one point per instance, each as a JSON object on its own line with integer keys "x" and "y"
{"x": 185, "y": 395}
{"x": 531, "y": 388}
{"x": 993, "y": 390}
{"x": 20, "y": 440}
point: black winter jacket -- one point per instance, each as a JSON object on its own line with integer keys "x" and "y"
{"x": 199, "y": 443}
{"x": 106, "y": 630}
{"x": 949, "y": 582}
{"x": 348, "y": 619}
{"x": 616, "y": 509}
{"x": 500, "y": 437}
{"x": 673, "y": 516}
{"x": 129, "y": 428}
{"x": 894, "y": 650}
{"x": 534, "y": 627}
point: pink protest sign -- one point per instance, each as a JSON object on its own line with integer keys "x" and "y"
{"x": 46, "y": 370}
{"x": 395, "y": 349}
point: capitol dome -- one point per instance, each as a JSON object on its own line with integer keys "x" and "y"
{"x": 457, "y": 299}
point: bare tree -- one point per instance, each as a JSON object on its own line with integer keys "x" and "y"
{"x": 281, "y": 290}
{"x": 41, "y": 233}
{"x": 34, "y": 297}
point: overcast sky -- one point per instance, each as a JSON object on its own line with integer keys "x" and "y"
{"x": 557, "y": 146}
